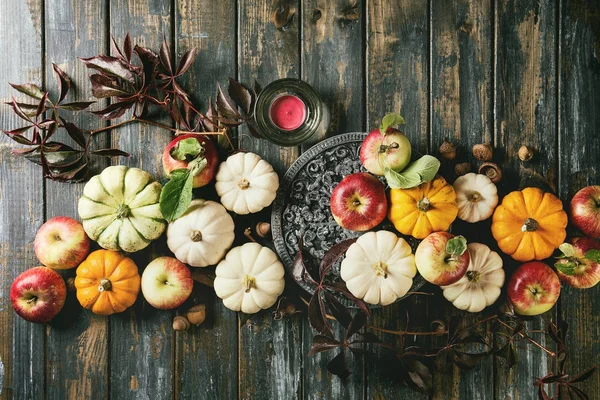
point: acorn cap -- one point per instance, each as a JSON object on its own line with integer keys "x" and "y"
{"x": 448, "y": 150}
{"x": 491, "y": 170}
{"x": 180, "y": 323}
{"x": 197, "y": 314}
{"x": 462, "y": 168}
{"x": 483, "y": 152}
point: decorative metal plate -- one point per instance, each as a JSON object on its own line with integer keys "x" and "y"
{"x": 301, "y": 208}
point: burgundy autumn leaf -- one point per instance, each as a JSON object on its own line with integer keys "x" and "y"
{"x": 42, "y": 105}
{"x": 466, "y": 360}
{"x": 64, "y": 82}
{"x": 28, "y": 109}
{"x": 110, "y": 153}
{"x": 110, "y": 66}
{"x": 253, "y": 128}
{"x": 127, "y": 48}
{"x": 337, "y": 309}
{"x": 104, "y": 87}
{"x": 204, "y": 277}
{"x": 186, "y": 62}
{"x": 359, "y": 303}
{"x": 299, "y": 271}
{"x": 114, "y": 46}
{"x": 317, "y": 317}
{"x": 322, "y": 343}
{"x": 241, "y": 95}
{"x": 358, "y": 322}
{"x": 24, "y": 151}
{"x": 420, "y": 375}
{"x": 114, "y": 110}
{"x": 585, "y": 375}
{"x": 21, "y": 139}
{"x": 73, "y": 131}
{"x": 578, "y": 392}
{"x": 29, "y": 89}
{"x": 149, "y": 61}
{"x": 225, "y": 106}
{"x": 165, "y": 55}
{"x": 542, "y": 395}
{"x": 76, "y": 106}
{"x": 339, "y": 367}
{"x": 20, "y": 113}
{"x": 74, "y": 174}
{"x": 18, "y": 131}
{"x": 333, "y": 255}
{"x": 552, "y": 377}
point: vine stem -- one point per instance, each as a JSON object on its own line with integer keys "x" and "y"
{"x": 407, "y": 333}
{"x": 530, "y": 340}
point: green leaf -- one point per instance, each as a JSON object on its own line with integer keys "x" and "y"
{"x": 426, "y": 166}
{"x": 187, "y": 149}
{"x": 567, "y": 268}
{"x": 176, "y": 195}
{"x": 567, "y": 249}
{"x": 389, "y": 121}
{"x": 197, "y": 165}
{"x": 456, "y": 246}
{"x": 401, "y": 180}
{"x": 593, "y": 255}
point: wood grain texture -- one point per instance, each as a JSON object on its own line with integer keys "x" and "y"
{"x": 77, "y": 343}
{"x": 333, "y": 60}
{"x": 526, "y": 115}
{"x": 397, "y": 81}
{"x": 579, "y": 150}
{"x": 332, "y": 63}
{"x": 142, "y": 338}
{"x": 270, "y": 355}
{"x": 462, "y": 111}
{"x": 207, "y": 357}
{"x": 21, "y": 199}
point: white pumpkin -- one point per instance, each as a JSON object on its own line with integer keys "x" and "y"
{"x": 476, "y": 197}
{"x": 249, "y": 279}
{"x": 202, "y": 235}
{"x": 119, "y": 209}
{"x": 246, "y": 183}
{"x": 379, "y": 267}
{"x": 481, "y": 285}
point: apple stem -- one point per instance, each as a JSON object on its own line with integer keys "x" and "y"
{"x": 32, "y": 300}
{"x": 104, "y": 285}
{"x": 244, "y": 184}
{"x": 530, "y": 225}
{"x": 196, "y": 236}
{"x": 249, "y": 282}
{"x": 424, "y": 204}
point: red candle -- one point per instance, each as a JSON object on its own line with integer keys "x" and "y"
{"x": 288, "y": 112}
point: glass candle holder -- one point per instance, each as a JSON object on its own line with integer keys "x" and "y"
{"x": 288, "y": 112}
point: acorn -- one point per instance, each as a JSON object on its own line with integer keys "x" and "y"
{"x": 525, "y": 153}
{"x": 491, "y": 170}
{"x": 483, "y": 152}
{"x": 263, "y": 229}
{"x": 448, "y": 150}
{"x": 180, "y": 323}
{"x": 197, "y": 314}
{"x": 462, "y": 168}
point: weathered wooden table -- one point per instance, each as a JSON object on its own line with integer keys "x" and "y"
{"x": 496, "y": 71}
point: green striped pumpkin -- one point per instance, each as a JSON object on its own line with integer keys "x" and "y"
{"x": 119, "y": 209}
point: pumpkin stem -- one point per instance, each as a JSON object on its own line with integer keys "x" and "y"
{"x": 123, "y": 211}
{"x": 244, "y": 184}
{"x": 530, "y": 225}
{"x": 475, "y": 197}
{"x": 196, "y": 236}
{"x": 104, "y": 285}
{"x": 249, "y": 282}
{"x": 473, "y": 276}
{"x": 381, "y": 269}
{"x": 424, "y": 204}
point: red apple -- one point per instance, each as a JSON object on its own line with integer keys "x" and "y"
{"x": 166, "y": 283}
{"x": 575, "y": 269}
{"x": 358, "y": 202}
{"x": 61, "y": 243}
{"x": 38, "y": 294}
{"x": 442, "y": 258}
{"x": 533, "y": 288}
{"x": 585, "y": 210}
{"x": 170, "y": 162}
{"x": 390, "y": 150}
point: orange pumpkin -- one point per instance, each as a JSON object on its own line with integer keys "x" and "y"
{"x": 529, "y": 224}
{"x": 107, "y": 282}
{"x": 429, "y": 207}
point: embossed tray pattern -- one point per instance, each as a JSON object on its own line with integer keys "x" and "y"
{"x": 301, "y": 209}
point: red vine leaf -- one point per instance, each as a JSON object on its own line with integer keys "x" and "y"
{"x": 585, "y": 375}
{"x": 64, "y": 82}
{"x": 186, "y": 61}
{"x": 333, "y": 255}
{"x": 114, "y": 110}
{"x": 357, "y": 323}
{"x": 20, "y": 112}
{"x": 165, "y": 55}
{"x": 338, "y": 366}
{"x": 17, "y": 132}
{"x": 127, "y": 47}
{"x": 225, "y": 105}
{"x": 76, "y": 106}
{"x": 241, "y": 95}
{"x": 29, "y": 89}
{"x": 110, "y": 66}
{"x": 322, "y": 343}
{"x": 73, "y": 131}
{"x": 104, "y": 87}
{"x": 337, "y": 309}
{"x": 317, "y": 315}
{"x": 110, "y": 153}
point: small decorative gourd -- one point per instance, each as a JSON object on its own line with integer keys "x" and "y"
{"x": 379, "y": 267}
{"x": 202, "y": 235}
{"x": 429, "y": 207}
{"x": 249, "y": 279}
{"x": 107, "y": 282}
{"x": 476, "y": 197}
{"x": 119, "y": 209}
{"x": 529, "y": 224}
{"x": 481, "y": 285}
{"x": 246, "y": 183}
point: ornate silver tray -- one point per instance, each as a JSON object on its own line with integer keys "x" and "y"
{"x": 301, "y": 208}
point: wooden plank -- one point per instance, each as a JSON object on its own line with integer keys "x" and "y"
{"x": 398, "y": 79}
{"x": 141, "y": 338}
{"x": 333, "y": 63}
{"x": 80, "y": 374}
{"x": 207, "y": 362}
{"x": 270, "y": 352}
{"x": 526, "y": 115}
{"x": 462, "y": 111}
{"x": 579, "y": 155}
{"x": 21, "y": 203}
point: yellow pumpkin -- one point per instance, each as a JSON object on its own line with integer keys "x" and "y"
{"x": 429, "y": 207}
{"x": 107, "y": 282}
{"x": 529, "y": 224}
